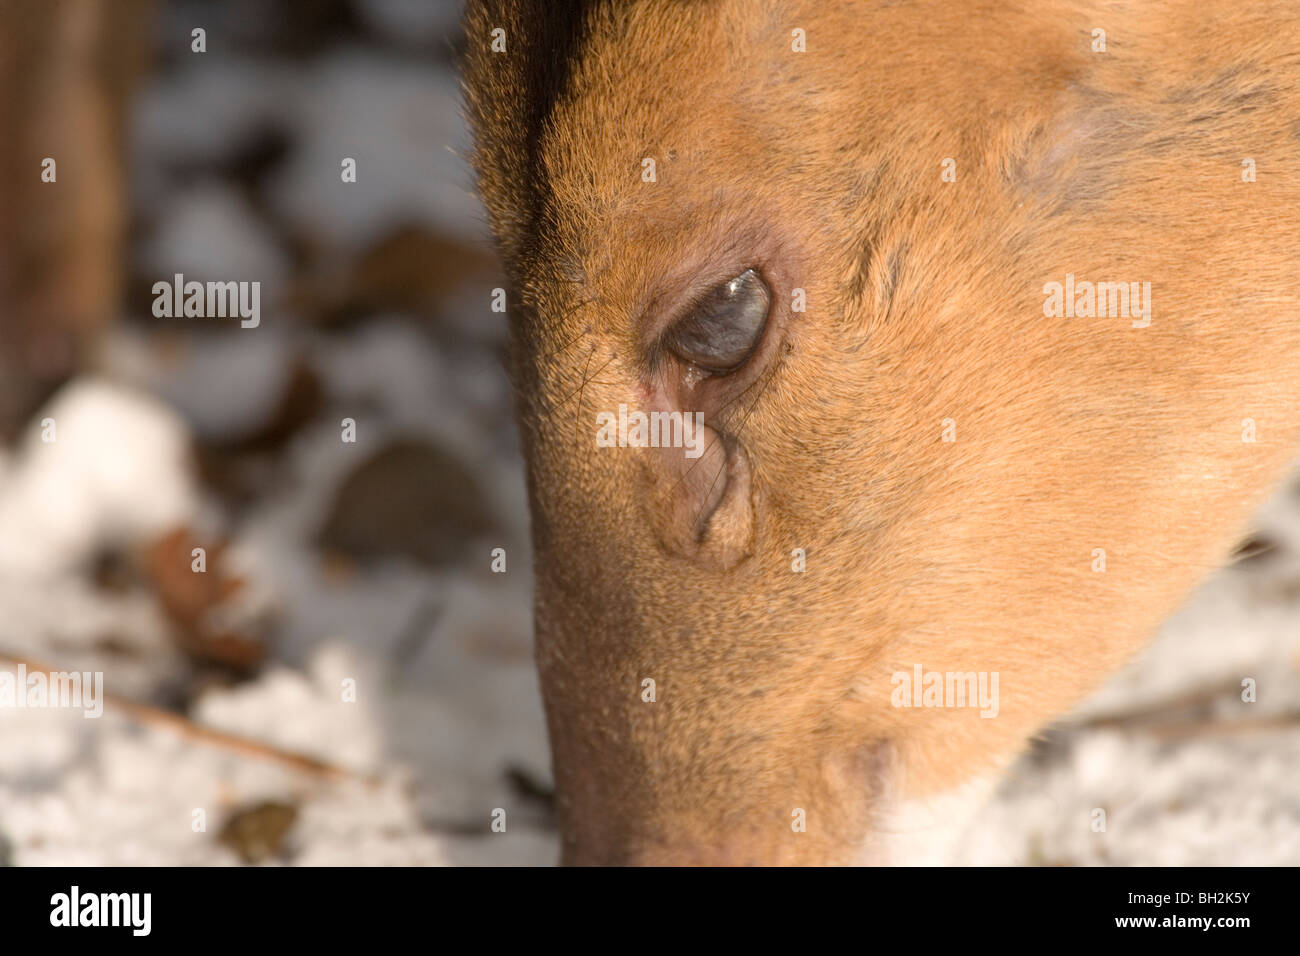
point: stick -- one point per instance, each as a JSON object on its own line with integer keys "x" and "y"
{"x": 148, "y": 714}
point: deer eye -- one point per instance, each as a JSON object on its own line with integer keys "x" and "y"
{"x": 724, "y": 326}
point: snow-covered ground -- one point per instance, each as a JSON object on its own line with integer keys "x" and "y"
{"x": 404, "y": 666}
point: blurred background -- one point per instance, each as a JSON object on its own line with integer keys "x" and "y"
{"x": 349, "y": 680}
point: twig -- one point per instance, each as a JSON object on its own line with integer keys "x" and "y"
{"x": 1172, "y": 730}
{"x": 1187, "y": 715}
{"x": 148, "y": 714}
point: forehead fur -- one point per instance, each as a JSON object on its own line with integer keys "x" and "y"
{"x": 582, "y": 93}
{"x": 511, "y": 98}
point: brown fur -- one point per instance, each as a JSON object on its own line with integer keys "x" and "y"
{"x": 924, "y": 304}
{"x": 65, "y": 69}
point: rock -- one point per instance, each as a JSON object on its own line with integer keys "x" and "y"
{"x": 412, "y": 500}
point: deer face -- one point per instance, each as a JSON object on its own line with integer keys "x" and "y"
{"x": 868, "y": 455}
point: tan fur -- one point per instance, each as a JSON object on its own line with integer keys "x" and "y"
{"x": 924, "y": 303}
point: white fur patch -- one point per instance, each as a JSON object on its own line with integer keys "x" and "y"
{"x": 928, "y": 831}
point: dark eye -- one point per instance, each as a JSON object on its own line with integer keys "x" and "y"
{"x": 723, "y": 327}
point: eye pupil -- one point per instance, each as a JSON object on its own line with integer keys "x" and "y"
{"x": 725, "y": 325}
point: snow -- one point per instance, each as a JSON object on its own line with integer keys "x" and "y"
{"x": 208, "y": 235}
{"x": 80, "y": 477}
